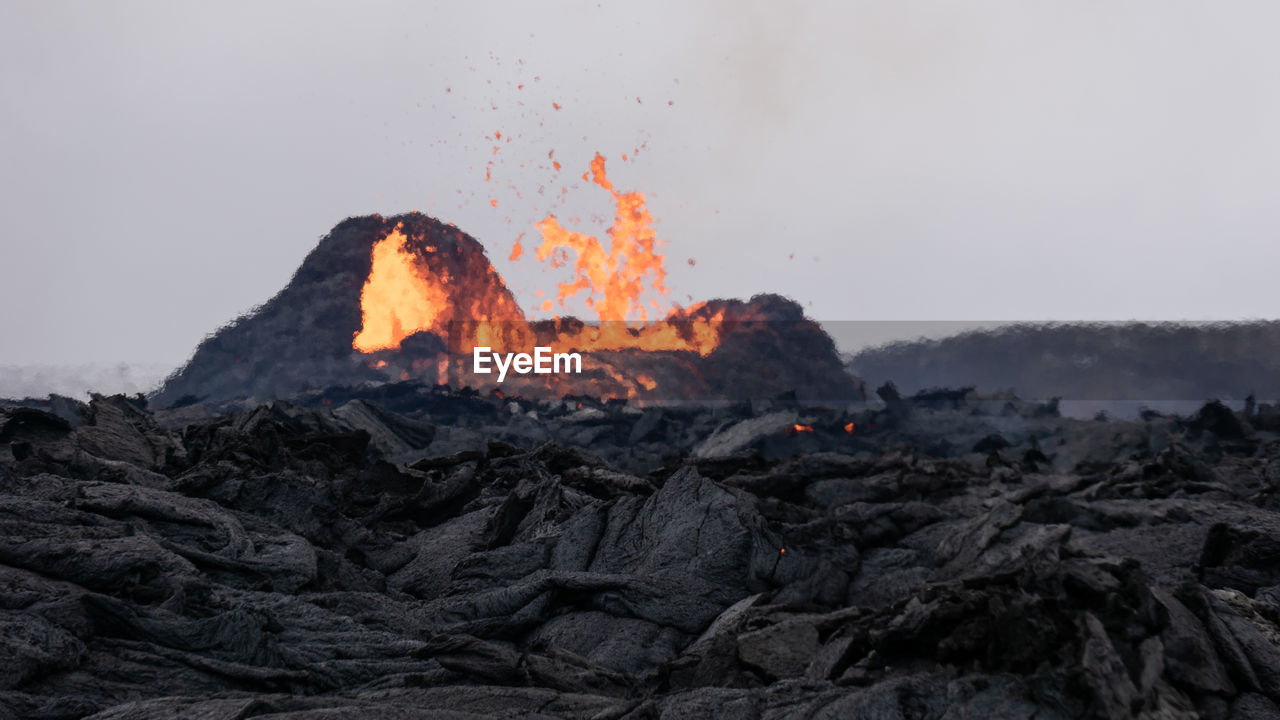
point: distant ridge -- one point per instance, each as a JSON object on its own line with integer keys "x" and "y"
{"x": 1131, "y": 361}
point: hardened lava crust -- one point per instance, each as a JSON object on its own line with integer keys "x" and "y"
{"x": 411, "y": 551}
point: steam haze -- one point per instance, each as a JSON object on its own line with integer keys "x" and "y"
{"x": 167, "y": 165}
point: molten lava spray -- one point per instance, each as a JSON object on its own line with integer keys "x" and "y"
{"x": 615, "y": 279}
{"x": 404, "y": 295}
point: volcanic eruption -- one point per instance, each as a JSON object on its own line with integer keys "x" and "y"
{"x": 410, "y": 298}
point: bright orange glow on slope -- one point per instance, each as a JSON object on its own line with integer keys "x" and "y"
{"x": 403, "y": 296}
{"x": 398, "y": 299}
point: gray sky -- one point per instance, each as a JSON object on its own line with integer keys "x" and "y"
{"x": 165, "y": 166}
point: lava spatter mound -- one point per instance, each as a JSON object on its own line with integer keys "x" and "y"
{"x": 302, "y": 337}
{"x": 408, "y": 297}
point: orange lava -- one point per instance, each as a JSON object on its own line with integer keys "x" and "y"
{"x": 398, "y": 299}
{"x": 402, "y": 297}
{"x": 616, "y": 279}
{"x": 621, "y": 283}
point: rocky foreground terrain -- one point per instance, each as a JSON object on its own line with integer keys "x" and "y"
{"x": 421, "y": 553}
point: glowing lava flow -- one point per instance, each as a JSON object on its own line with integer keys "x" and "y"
{"x": 398, "y": 299}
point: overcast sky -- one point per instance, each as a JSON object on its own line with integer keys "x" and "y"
{"x": 165, "y": 166}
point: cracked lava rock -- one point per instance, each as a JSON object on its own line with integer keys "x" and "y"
{"x": 441, "y": 554}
